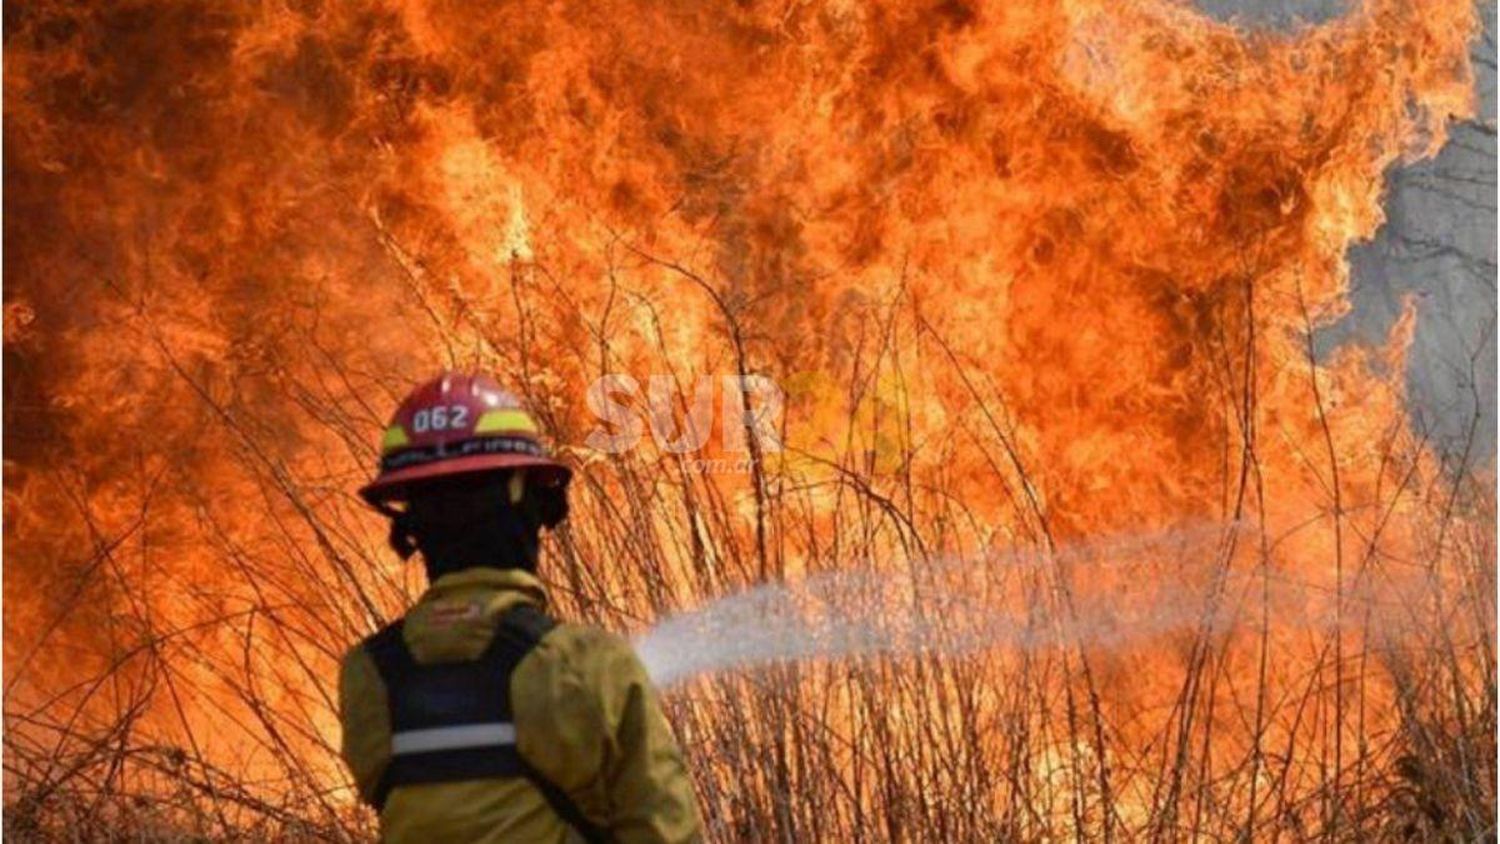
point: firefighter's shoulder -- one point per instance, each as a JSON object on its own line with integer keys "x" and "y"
{"x": 580, "y": 672}
{"x": 589, "y": 653}
{"x": 358, "y": 665}
{"x": 567, "y": 696}
{"x": 357, "y": 668}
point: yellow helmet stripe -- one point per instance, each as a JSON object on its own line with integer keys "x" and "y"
{"x": 507, "y": 419}
{"x": 395, "y": 437}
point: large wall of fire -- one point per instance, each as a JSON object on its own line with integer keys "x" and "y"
{"x": 1029, "y": 273}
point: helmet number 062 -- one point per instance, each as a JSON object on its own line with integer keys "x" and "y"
{"x": 440, "y": 418}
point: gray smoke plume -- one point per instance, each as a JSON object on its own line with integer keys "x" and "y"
{"x": 1438, "y": 244}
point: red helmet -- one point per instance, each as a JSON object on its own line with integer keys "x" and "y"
{"x": 458, "y": 424}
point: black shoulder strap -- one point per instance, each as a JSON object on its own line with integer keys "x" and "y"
{"x": 387, "y": 647}
{"x": 564, "y": 806}
{"x": 525, "y": 625}
{"x": 517, "y": 631}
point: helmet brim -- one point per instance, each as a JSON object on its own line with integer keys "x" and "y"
{"x": 396, "y": 486}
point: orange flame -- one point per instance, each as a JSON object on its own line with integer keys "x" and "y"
{"x": 1029, "y": 274}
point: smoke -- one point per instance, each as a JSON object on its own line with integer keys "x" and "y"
{"x": 1437, "y": 247}
{"x": 1282, "y": 14}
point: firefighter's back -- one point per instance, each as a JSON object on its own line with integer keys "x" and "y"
{"x": 574, "y": 745}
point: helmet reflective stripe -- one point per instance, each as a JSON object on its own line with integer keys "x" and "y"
{"x": 395, "y": 437}
{"x": 506, "y": 419}
{"x": 494, "y": 734}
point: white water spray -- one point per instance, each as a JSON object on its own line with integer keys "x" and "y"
{"x": 1122, "y": 591}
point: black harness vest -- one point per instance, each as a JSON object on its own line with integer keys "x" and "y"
{"x": 452, "y": 721}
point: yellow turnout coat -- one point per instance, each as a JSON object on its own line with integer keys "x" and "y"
{"x": 586, "y": 718}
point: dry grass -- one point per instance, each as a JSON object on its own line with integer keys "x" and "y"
{"x": 214, "y": 722}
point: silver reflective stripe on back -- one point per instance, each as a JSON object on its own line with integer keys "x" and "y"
{"x": 453, "y": 738}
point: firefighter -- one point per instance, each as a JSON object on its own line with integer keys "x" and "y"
{"x": 477, "y": 717}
